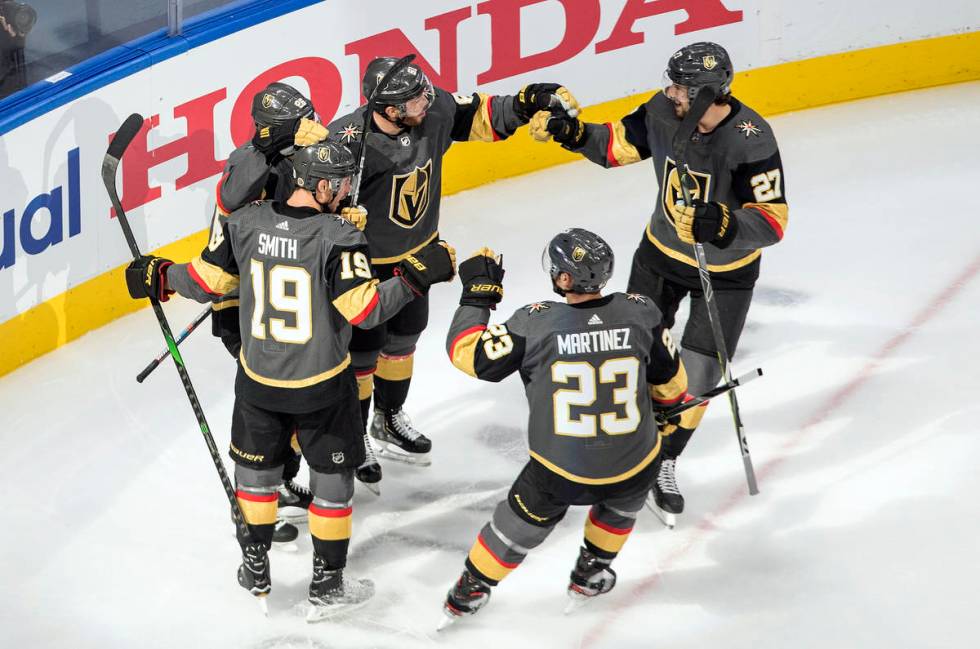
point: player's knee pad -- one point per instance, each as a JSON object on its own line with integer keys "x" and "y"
{"x": 332, "y": 488}
{"x": 258, "y": 479}
{"x": 516, "y": 532}
{"x": 257, "y": 494}
{"x": 703, "y": 371}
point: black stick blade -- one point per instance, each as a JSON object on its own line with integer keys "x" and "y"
{"x": 125, "y": 135}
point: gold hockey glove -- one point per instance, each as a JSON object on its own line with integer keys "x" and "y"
{"x": 544, "y": 96}
{"x": 357, "y": 216}
{"x": 309, "y": 132}
{"x": 482, "y": 276}
{"x": 705, "y": 222}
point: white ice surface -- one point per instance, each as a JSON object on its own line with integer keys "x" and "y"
{"x": 863, "y": 432}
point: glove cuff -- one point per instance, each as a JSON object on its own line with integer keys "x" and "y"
{"x": 726, "y": 240}
{"x": 407, "y": 281}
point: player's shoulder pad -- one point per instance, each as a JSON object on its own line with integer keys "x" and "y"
{"x": 347, "y": 128}
{"x": 639, "y": 302}
{"x": 536, "y": 309}
{"x": 751, "y": 133}
{"x": 341, "y": 232}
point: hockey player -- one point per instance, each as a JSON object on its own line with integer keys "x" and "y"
{"x": 410, "y": 131}
{"x": 304, "y": 278}
{"x": 739, "y": 208}
{"x": 284, "y": 120}
{"x": 594, "y": 368}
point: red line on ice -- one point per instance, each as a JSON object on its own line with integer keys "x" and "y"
{"x": 835, "y": 401}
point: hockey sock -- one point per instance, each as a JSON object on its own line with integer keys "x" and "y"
{"x": 392, "y": 380}
{"x": 330, "y": 528}
{"x": 606, "y": 531}
{"x": 259, "y": 505}
{"x": 365, "y": 386}
{"x": 490, "y": 559}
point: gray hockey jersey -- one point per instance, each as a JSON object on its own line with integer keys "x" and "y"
{"x": 305, "y": 279}
{"x": 737, "y": 164}
{"x": 590, "y": 371}
{"x": 401, "y": 186}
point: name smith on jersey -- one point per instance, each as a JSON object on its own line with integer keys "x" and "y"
{"x": 270, "y": 244}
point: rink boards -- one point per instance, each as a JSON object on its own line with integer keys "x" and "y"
{"x": 62, "y": 254}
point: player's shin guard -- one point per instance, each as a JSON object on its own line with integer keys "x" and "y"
{"x": 503, "y": 543}
{"x": 258, "y": 498}
{"x": 365, "y": 387}
{"x": 392, "y": 380}
{"x": 606, "y": 531}
{"x": 330, "y": 516}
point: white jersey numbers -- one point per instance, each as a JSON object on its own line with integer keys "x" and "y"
{"x": 289, "y": 291}
{"x": 766, "y": 186}
{"x": 584, "y": 395}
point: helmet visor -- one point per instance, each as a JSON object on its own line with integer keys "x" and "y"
{"x": 417, "y": 106}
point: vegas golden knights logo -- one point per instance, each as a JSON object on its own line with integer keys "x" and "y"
{"x": 671, "y": 193}
{"x": 578, "y": 254}
{"x": 410, "y": 195}
{"x": 709, "y": 62}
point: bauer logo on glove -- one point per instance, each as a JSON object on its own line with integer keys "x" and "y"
{"x": 482, "y": 276}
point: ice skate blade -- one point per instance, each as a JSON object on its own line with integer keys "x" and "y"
{"x": 373, "y": 487}
{"x": 448, "y": 619}
{"x": 354, "y": 600}
{"x": 393, "y": 452}
{"x": 263, "y": 601}
{"x": 292, "y": 514}
{"x": 668, "y": 519}
{"x": 318, "y": 613}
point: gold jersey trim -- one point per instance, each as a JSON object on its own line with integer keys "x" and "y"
{"x": 644, "y": 463}
{"x": 690, "y": 261}
{"x": 482, "y": 128}
{"x": 225, "y": 304}
{"x": 398, "y": 258}
{"x": 673, "y": 389}
{"x": 293, "y": 383}
{"x": 622, "y": 150}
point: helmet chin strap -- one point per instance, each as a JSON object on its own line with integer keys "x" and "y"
{"x": 556, "y": 289}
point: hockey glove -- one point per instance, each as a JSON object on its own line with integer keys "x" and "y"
{"x": 271, "y": 141}
{"x": 567, "y": 131}
{"x": 147, "y": 277}
{"x": 309, "y": 132}
{"x": 434, "y": 263}
{"x": 535, "y": 97}
{"x": 357, "y": 216}
{"x": 482, "y": 276}
{"x": 687, "y": 420}
{"x": 706, "y": 222}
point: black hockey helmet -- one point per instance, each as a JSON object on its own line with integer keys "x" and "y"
{"x": 279, "y": 104}
{"x": 582, "y": 254}
{"x": 406, "y": 84}
{"x": 700, "y": 65}
{"x": 329, "y": 161}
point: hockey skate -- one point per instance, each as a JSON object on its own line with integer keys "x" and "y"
{"x": 369, "y": 473}
{"x": 294, "y": 502}
{"x": 591, "y": 577}
{"x": 466, "y": 597}
{"x": 253, "y": 574}
{"x": 398, "y": 440}
{"x": 332, "y": 594}
{"x": 665, "y": 499}
{"x": 284, "y": 532}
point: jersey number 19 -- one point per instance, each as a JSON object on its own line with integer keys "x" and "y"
{"x": 288, "y": 290}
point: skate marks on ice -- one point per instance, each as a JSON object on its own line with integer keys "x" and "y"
{"x": 507, "y": 441}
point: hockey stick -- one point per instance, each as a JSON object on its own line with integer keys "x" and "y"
{"x": 201, "y": 317}
{"x": 110, "y": 163}
{"x": 682, "y": 138}
{"x": 368, "y": 112}
{"x": 709, "y": 395}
